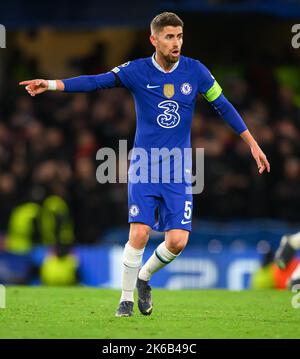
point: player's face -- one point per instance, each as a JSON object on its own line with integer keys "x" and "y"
{"x": 168, "y": 43}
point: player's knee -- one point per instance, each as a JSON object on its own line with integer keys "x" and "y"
{"x": 176, "y": 240}
{"x": 176, "y": 244}
{"x": 139, "y": 234}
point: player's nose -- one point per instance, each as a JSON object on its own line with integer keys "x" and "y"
{"x": 176, "y": 44}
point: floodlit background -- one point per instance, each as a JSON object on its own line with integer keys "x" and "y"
{"x": 59, "y": 226}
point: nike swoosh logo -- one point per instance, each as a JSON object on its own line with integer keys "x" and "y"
{"x": 185, "y": 222}
{"x": 152, "y": 87}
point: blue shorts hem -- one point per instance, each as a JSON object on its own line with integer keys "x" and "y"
{"x": 159, "y": 229}
{"x": 140, "y": 221}
{"x": 165, "y": 229}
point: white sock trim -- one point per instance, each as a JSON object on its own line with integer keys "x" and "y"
{"x": 132, "y": 257}
{"x": 163, "y": 254}
{"x": 159, "y": 259}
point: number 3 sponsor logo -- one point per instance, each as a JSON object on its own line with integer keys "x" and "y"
{"x": 170, "y": 118}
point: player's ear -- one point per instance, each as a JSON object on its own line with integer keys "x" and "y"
{"x": 153, "y": 40}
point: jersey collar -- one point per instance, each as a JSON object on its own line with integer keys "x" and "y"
{"x": 160, "y": 68}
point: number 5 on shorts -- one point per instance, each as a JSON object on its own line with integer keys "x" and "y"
{"x": 187, "y": 209}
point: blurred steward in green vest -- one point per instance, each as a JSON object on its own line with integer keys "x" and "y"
{"x": 56, "y": 225}
{"x": 60, "y": 267}
{"x": 48, "y": 223}
{"x": 23, "y": 228}
{"x": 263, "y": 277}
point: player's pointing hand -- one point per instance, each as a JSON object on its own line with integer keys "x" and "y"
{"x": 35, "y": 87}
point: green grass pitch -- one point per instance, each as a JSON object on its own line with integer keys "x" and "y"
{"x": 80, "y": 312}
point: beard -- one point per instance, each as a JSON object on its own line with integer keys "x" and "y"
{"x": 170, "y": 58}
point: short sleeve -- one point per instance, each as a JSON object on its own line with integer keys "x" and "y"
{"x": 207, "y": 84}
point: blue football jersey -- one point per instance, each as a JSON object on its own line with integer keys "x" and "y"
{"x": 165, "y": 101}
{"x": 164, "y": 105}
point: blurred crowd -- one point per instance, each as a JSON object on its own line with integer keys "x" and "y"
{"x": 48, "y": 146}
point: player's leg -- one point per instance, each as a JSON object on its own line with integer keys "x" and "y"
{"x": 132, "y": 260}
{"x": 175, "y": 217}
{"x": 288, "y": 246}
{"x": 165, "y": 253}
{"x": 141, "y": 204}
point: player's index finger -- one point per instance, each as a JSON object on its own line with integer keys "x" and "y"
{"x": 24, "y": 82}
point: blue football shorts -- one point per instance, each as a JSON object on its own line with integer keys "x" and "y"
{"x": 162, "y": 206}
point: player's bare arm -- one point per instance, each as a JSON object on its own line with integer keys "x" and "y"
{"x": 38, "y": 86}
{"x": 257, "y": 153}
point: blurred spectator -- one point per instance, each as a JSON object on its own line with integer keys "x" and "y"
{"x": 90, "y": 207}
{"x": 8, "y": 198}
{"x": 287, "y": 192}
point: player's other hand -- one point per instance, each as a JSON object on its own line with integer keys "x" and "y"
{"x": 35, "y": 87}
{"x": 260, "y": 158}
